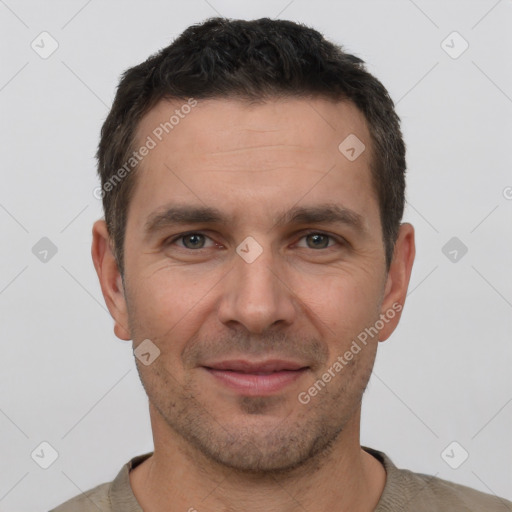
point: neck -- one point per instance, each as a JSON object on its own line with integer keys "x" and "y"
{"x": 343, "y": 478}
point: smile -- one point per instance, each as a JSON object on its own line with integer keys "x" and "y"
{"x": 256, "y": 381}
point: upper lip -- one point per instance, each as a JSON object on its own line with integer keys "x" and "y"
{"x": 270, "y": 365}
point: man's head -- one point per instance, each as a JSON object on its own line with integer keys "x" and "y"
{"x": 254, "y": 61}
{"x": 252, "y": 233}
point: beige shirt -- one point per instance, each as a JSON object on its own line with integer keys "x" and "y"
{"x": 404, "y": 491}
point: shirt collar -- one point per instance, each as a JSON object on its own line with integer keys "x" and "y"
{"x": 122, "y": 498}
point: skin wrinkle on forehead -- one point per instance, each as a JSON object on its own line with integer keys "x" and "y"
{"x": 276, "y": 147}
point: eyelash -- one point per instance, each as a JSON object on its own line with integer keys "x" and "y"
{"x": 340, "y": 241}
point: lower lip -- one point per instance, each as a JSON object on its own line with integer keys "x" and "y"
{"x": 257, "y": 385}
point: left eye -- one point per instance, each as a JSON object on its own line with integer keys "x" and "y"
{"x": 318, "y": 240}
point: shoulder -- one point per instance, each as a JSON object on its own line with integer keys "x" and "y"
{"x": 432, "y": 493}
{"x": 94, "y": 499}
{"x": 107, "y": 497}
{"x": 406, "y": 490}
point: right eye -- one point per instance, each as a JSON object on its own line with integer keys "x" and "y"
{"x": 192, "y": 240}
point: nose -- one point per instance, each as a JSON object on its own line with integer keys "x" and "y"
{"x": 256, "y": 295}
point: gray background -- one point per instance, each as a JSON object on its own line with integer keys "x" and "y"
{"x": 443, "y": 376}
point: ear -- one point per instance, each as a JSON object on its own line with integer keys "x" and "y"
{"x": 110, "y": 278}
{"x": 397, "y": 281}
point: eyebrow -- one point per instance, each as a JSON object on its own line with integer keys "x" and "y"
{"x": 188, "y": 214}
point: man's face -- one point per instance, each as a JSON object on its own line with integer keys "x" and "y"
{"x": 233, "y": 328}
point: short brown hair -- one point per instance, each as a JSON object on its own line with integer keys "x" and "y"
{"x": 251, "y": 60}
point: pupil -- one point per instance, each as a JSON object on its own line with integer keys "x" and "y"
{"x": 317, "y": 238}
{"x": 194, "y": 240}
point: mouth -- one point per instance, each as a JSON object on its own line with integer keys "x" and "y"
{"x": 256, "y": 378}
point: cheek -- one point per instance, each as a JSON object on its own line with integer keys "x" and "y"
{"x": 165, "y": 304}
{"x": 341, "y": 304}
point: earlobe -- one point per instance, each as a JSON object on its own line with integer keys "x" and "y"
{"x": 110, "y": 278}
{"x": 398, "y": 278}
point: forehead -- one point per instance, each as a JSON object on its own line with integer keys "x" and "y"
{"x": 227, "y": 153}
{"x": 219, "y": 125}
